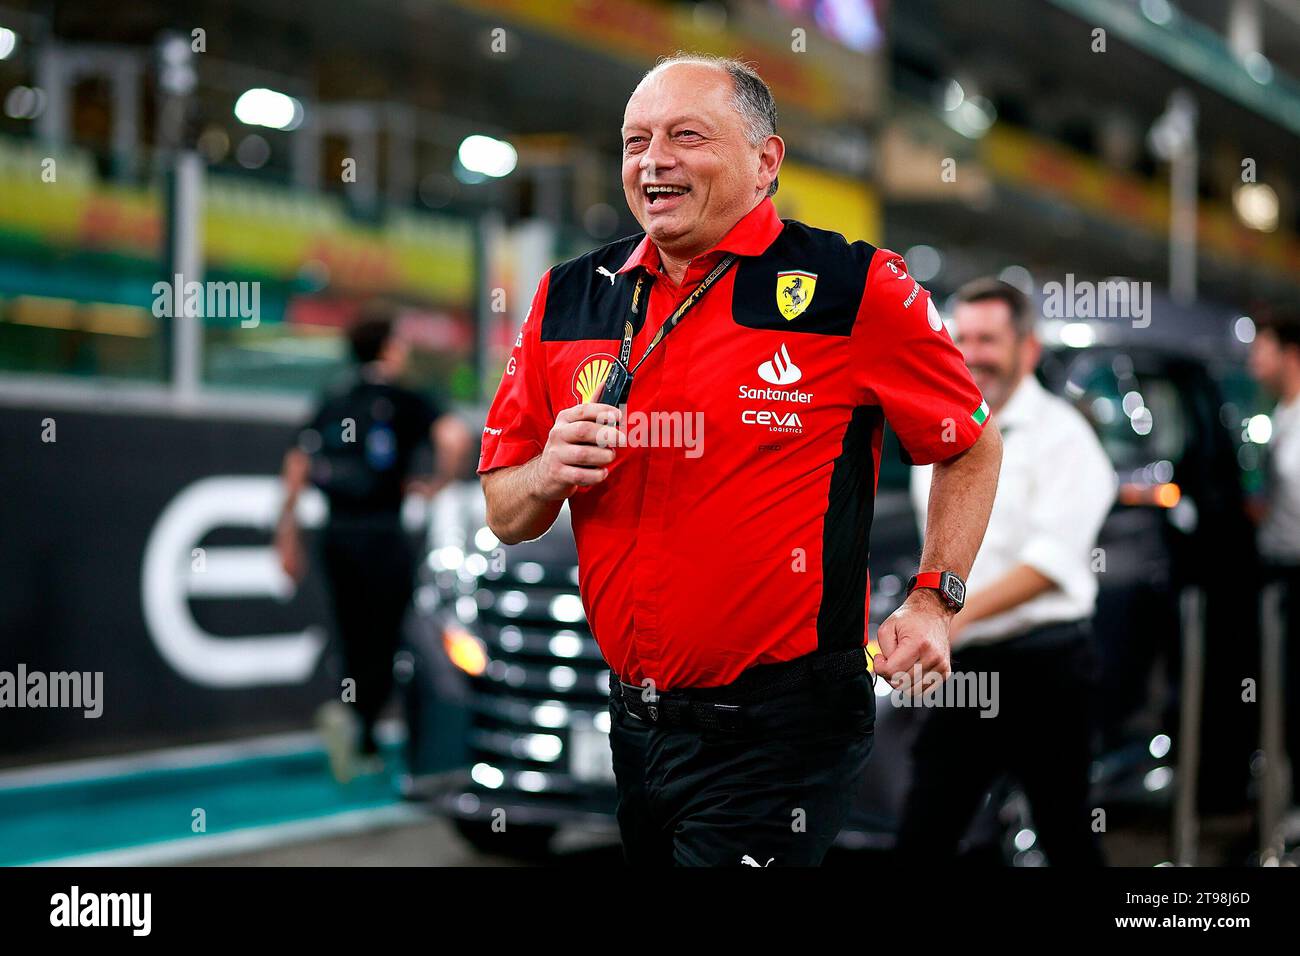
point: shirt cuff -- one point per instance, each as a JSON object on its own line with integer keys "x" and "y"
{"x": 506, "y": 454}
{"x": 967, "y": 432}
{"x": 1053, "y": 560}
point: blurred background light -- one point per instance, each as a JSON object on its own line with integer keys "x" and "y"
{"x": 252, "y": 152}
{"x": 1019, "y": 277}
{"x": 24, "y": 102}
{"x": 1259, "y": 429}
{"x": 263, "y": 107}
{"x": 923, "y": 262}
{"x": 1259, "y": 67}
{"x": 1256, "y": 205}
{"x": 1078, "y": 335}
{"x": 1158, "y": 12}
{"x": 487, "y": 156}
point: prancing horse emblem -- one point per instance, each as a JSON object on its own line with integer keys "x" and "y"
{"x": 794, "y": 291}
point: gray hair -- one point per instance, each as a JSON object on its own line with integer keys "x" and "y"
{"x": 751, "y": 97}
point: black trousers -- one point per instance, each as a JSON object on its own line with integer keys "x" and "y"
{"x": 370, "y": 572}
{"x": 777, "y": 789}
{"x": 1289, "y": 577}
{"x": 1042, "y": 734}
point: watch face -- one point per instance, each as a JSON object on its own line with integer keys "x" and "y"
{"x": 954, "y": 589}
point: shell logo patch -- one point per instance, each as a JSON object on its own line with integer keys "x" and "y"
{"x": 794, "y": 292}
{"x": 590, "y": 375}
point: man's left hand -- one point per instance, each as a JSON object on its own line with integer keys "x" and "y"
{"x": 293, "y": 557}
{"x": 915, "y": 635}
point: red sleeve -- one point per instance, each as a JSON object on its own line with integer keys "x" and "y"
{"x": 906, "y": 363}
{"x": 520, "y": 417}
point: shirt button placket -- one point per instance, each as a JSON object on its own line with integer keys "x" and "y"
{"x": 648, "y": 549}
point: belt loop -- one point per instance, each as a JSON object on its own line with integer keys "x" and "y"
{"x": 729, "y": 717}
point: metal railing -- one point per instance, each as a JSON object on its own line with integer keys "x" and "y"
{"x": 1275, "y": 782}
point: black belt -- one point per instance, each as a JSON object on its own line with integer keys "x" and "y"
{"x": 721, "y": 708}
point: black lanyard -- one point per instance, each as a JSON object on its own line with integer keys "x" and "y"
{"x": 618, "y": 383}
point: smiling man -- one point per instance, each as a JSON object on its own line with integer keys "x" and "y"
{"x": 690, "y": 191}
{"x": 728, "y": 591}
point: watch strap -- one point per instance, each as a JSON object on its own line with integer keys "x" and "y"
{"x": 925, "y": 579}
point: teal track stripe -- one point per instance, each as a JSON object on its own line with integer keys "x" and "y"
{"x": 120, "y": 811}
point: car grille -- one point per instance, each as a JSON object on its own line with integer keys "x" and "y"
{"x": 544, "y": 687}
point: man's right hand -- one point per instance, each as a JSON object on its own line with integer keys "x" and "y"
{"x": 524, "y": 500}
{"x": 578, "y": 452}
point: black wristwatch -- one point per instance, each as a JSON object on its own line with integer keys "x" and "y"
{"x": 950, "y": 587}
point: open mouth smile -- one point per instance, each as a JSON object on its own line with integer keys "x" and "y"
{"x": 661, "y": 193}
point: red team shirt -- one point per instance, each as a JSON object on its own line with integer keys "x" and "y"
{"x": 751, "y": 547}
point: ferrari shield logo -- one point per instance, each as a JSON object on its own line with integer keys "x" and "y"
{"x": 794, "y": 290}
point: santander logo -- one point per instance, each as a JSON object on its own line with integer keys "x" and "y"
{"x": 780, "y": 370}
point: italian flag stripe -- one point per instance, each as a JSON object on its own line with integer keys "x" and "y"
{"x": 981, "y": 414}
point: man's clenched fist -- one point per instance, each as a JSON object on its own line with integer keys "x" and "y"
{"x": 578, "y": 452}
{"x": 914, "y": 649}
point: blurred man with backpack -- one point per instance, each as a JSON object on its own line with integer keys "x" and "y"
{"x": 359, "y": 448}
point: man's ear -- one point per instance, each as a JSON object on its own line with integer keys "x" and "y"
{"x": 769, "y": 160}
{"x": 1032, "y": 351}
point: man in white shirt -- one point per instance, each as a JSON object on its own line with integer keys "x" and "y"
{"x": 1275, "y": 364}
{"x": 1030, "y": 598}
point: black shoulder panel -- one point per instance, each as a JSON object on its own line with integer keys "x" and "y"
{"x": 582, "y": 302}
{"x": 841, "y": 275}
